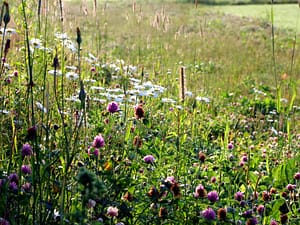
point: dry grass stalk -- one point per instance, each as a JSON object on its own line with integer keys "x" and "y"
{"x": 182, "y": 85}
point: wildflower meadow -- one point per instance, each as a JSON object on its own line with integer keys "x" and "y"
{"x": 147, "y": 112}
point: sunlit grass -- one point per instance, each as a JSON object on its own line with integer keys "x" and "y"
{"x": 286, "y": 16}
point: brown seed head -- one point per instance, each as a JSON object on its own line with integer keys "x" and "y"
{"x": 163, "y": 212}
{"x": 222, "y": 213}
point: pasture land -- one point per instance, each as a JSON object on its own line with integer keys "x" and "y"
{"x": 286, "y": 16}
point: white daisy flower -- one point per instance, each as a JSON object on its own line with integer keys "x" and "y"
{"x": 8, "y": 31}
{"x": 58, "y": 72}
{"x": 168, "y": 100}
{"x": 35, "y": 43}
{"x": 4, "y": 111}
{"x": 99, "y": 100}
{"x": 189, "y": 94}
{"x": 61, "y": 36}
{"x": 71, "y": 67}
{"x": 72, "y": 75}
{"x": 203, "y": 99}
{"x": 70, "y": 45}
{"x": 97, "y": 88}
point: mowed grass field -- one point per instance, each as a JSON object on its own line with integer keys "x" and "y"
{"x": 285, "y": 15}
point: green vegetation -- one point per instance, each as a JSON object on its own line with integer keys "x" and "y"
{"x": 286, "y": 16}
{"x": 147, "y": 113}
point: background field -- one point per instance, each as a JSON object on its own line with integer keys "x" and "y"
{"x": 233, "y": 46}
{"x": 285, "y": 16}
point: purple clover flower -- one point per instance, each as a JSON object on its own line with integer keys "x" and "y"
{"x": 112, "y": 211}
{"x": 230, "y": 146}
{"x": 149, "y": 159}
{"x": 26, "y": 187}
{"x": 170, "y": 179}
{"x": 213, "y": 196}
{"x": 239, "y": 196}
{"x": 3, "y": 221}
{"x": 112, "y": 107}
{"x": 26, "y": 150}
{"x": 209, "y": 214}
{"x": 273, "y": 222}
{"x": 199, "y": 191}
{"x": 98, "y": 141}
{"x": 247, "y": 213}
{"x": 252, "y": 221}
{"x": 244, "y": 158}
{"x": 290, "y": 187}
{"x": 13, "y": 177}
{"x": 213, "y": 179}
{"x": 13, "y": 186}
{"x": 297, "y": 176}
{"x": 260, "y": 209}
{"x": 26, "y": 169}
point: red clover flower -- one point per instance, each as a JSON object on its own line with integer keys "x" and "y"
{"x": 297, "y": 176}
{"x": 112, "y": 107}
{"x": 26, "y": 150}
{"x": 112, "y": 211}
{"x": 209, "y": 214}
{"x": 239, "y": 196}
{"x": 98, "y": 141}
{"x": 149, "y": 159}
{"x": 213, "y": 196}
{"x": 26, "y": 169}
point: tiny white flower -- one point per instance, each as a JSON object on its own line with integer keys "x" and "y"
{"x": 179, "y": 107}
{"x": 61, "y": 36}
{"x": 4, "y": 111}
{"x": 35, "y": 43}
{"x": 203, "y": 99}
{"x": 284, "y": 100}
{"x": 143, "y": 93}
{"x": 52, "y": 72}
{"x": 189, "y": 93}
{"x": 73, "y": 99}
{"x": 88, "y": 60}
{"x": 72, "y": 75}
{"x": 71, "y": 67}
{"x": 274, "y": 131}
{"x": 97, "y": 88}
{"x": 168, "y": 100}
{"x": 7, "y": 66}
{"x": 89, "y": 81}
{"x": 120, "y": 61}
{"x": 70, "y": 45}
{"x": 8, "y": 31}
{"x": 91, "y": 203}
{"x": 148, "y": 84}
{"x": 92, "y": 57}
{"x": 56, "y": 214}
{"x": 41, "y": 107}
{"x": 134, "y": 80}
{"x": 99, "y": 100}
